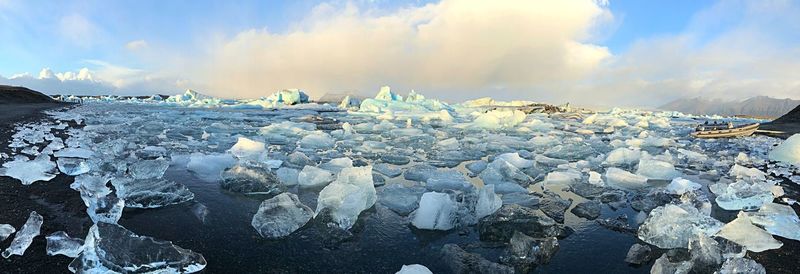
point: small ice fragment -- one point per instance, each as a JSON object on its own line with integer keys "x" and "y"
{"x": 25, "y": 235}
{"x": 61, "y": 243}
{"x": 74, "y": 152}
{"x": 247, "y": 148}
{"x": 72, "y": 166}
{"x": 288, "y": 176}
{"x": 488, "y": 202}
{"x": 414, "y": 269}
{"x": 280, "y": 216}
{"x": 680, "y": 186}
{"x": 29, "y": 172}
{"x": 437, "y": 211}
{"x": 5, "y": 231}
{"x": 312, "y": 176}
{"x": 622, "y": 179}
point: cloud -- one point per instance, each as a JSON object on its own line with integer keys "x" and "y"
{"x": 108, "y": 79}
{"x": 136, "y": 45}
{"x": 460, "y": 49}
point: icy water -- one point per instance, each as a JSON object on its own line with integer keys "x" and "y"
{"x": 217, "y": 223}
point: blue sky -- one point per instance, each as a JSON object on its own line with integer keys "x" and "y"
{"x": 229, "y": 48}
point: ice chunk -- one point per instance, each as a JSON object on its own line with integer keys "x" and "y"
{"x": 387, "y": 170}
{"x": 595, "y": 179}
{"x": 742, "y": 266}
{"x": 317, "y": 140}
{"x": 622, "y": 179}
{"x": 289, "y": 97}
{"x": 250, "y": 180}
{"x": 25, "y": 235}
{"x": 209, "y": 167}
{"x": 336, "y": 165}
{"x": 111, "y": 247}
{"x": 663, "y": 265}
{"x": 106, "y": 209}
{"x": 672, "y": 226}
{"x": 350, "y": 194}
{"x": 61, "y": 243}
{"x": 73, "y": 166}
{"x": 742, "y": 194}
{"x": 562, "y": 178}
{"x": 74, "y": 152}
{"x": 501, "y": 225}
{"x": 386, "y": 94}
{"x": 516, "y": 160}
{"x": 680, "y": 186}
{"x": 247, "y": 148}
{"x": 448, "y": 179}
{"x": 399, "y": 198}
{"x": 312, "y": 176}
{"x": 654, "y": 169}
{"x": 499, "y": 119}
{"x": 5, "y": 231}
{"x": 788, "y": 151}
{"x": 743, "y": 232}
{"x": 777, "y": 219}
{"x": 488, "y": 202}
{"x": 525, "y": 252}
{"x": 622, "y": 157}
{"x": 477, "y": 167}
{"x": 151, "y": 193}
{"x": 148, "y": 169}
{"x": 29, "y": 172}
{"x": 499, "y": 171}
{"x": 288, "y": 176}
{"x": 419, "y": 173}
{"x": 638, "y": 254}
{"x": 749, "y": 174}
{"x": 414, "y": 269}
{"x": 280, "y": 216}
{"x": 588, "y": 209}
{"x": 437, "y": 211}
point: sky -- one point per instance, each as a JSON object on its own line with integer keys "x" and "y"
{"x": 590, "y": 52}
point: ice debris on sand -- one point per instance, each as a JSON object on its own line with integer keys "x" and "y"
{"x": 24, "y": 237}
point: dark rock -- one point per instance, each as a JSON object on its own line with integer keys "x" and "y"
{"x": 377, "y": 179}
{"x": 649, "y": 201}
{"x": 520, "y": 199}
{"x": 588, "y": 209}
{"x": 554, "y": 206}
{"x": 500, "y": 226}
{"x": 619, "y": 224}
{"x": 588, "y": 191}
{"x": 459, "y": 261}
{"x": 639, "y": 254}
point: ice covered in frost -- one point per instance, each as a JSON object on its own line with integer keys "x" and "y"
{"x": 30, "y": 171}
{"x": 312, "y": 176}
{"x": 742, "y": 231}
{"x": 247, "y": 148}
{"x": 280, "y": 216}
{"x": 112, "y": 248}
{"x": 208, "y": 167}
{"x": 680, "y": 186}
{"x": 437, "y": 211}
{"x": 622, "y": 179}
{"x": 777, "y": 219}
{"x": 499, "y": 119}
{"x": 151, "y": 193}
{"x": 24, "y": 237}
{"x": 5, "y": 231}
{"x": 148, "y": 169}
{"x": 488, "y": 202}
{"x": 655, "y": 169}
{"x": 788, "y": 151}
{"x": 672, "y": 226}
{"x": 414, "y": 269}
{"x": 350, "y": 194}
{"x": 59, "y": 243}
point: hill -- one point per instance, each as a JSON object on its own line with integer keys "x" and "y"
{"x": 22, "y": 95}
{"x": 760, "y": 106}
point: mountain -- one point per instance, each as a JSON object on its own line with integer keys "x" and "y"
{"x": 760, "y": 106}
{"x": 789, "y": 123}
{"x": 22, "y": 95}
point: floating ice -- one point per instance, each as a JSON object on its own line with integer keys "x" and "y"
{"x": 743, "y": 232}
{"x": 280, "y": 216}
{"x": 350, "y": 194}
{"x": 499, "y": 119}
{"x": 209, "y": 167}
{"x": 623, "y": 157}
{"x": 501, "y": 225}
{"x": 247, "y": 148}
{"x": 680, "y": 186}
{"x": 414, "y": 269}
{"x": 622, "y": 179}
{"x": 148, "y": 169}
{"x": 317, "y": 140}
{"x": 448, "y": 179}
{"x": 788, "y": 151}
{"x": 437, "y": 211}
{"x": 5, "y": 231}
{"x": 400, "y": 199}
{"x": 59, "y": 243}
{"x": 337, "y": 165}
{"x": 312, "y": 176}
{"x": 112, "y": 248}
{"x": 288, "y": 176}
{"x": 742, "y": 266}
{"x": 387, "y": 170}
{"x": 460, "y": 261}
{"x": 29, "y": 172}
{"x": 654, "y": 169}
{"x": 777, "y": 219}
{"x": 250, "y": 180}
{"x": 499, "y": 171}
{"x": 672, "y": 226}
{"x": 749, "y": 174}
{"x": 24, "y": 237}
{"x": 151, "y": 193}
{"x": 488, "y": 202}
{"x": 564, "y": 178}
{"x": 742, "y": 194}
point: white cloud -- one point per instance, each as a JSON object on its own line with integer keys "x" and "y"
{"x": 136, "y": 45}
{"x": 107, "y": 79}
{"x": 460, "y": 49}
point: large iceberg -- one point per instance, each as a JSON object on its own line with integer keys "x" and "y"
{"x": 280, "y": 216}
{"x": 351, "y": 193}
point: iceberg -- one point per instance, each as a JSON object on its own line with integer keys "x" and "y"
{"x": 24, "y": 237}
{"x": 437, "y": 211}
{"x": 672, "y": 226}
{"x": 788, "y": 151}
{"x": 29, "y": 172}
{"x": 281, "y": 215}
{"x": 742, "y": 231}
{"x": 59, "y": 243}
{"x": 350, "y": 194}
{"x": 111, "y": 248}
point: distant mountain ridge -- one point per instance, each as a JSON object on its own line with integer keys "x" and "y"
{"x": 759, "y": 106}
